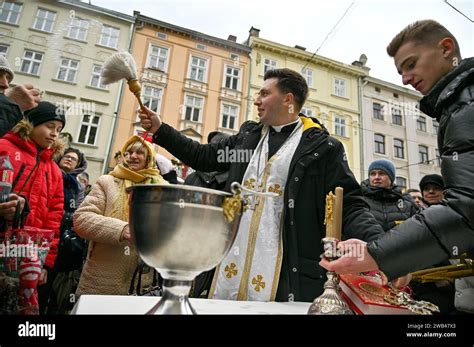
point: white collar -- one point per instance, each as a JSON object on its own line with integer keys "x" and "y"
{"x": 278, "y": 128}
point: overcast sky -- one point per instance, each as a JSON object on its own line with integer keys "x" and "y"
{"x": 368, "y": 26}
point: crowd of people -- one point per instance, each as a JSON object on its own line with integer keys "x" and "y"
{"x": 92, "y": 251}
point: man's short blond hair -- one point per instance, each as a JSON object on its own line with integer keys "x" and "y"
{"x": 422, "y": 32}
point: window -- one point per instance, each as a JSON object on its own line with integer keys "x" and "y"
{"x": 396, "y": 116}
{"x": 421, "y": 123}
{"x": 193, "y": 108}
{"x": 198, "y": 69}
{"x": 44, "y": 20}
{"x": 96, "y": 78}
{"x": 269, "y": 64}
{"x": 78, "y": 29}
{"x": 435, "y": 127}
{"x": 10, "y": 12}
{"x": 438, "y": 157}
{"x": 109, "y": 36}
{"x": 308, "y": 76}
{"x": 152, "y": 98}
{"x": 89, "y": 129}
{"x": 3, "y": 50}
{"x": 340, "y": 87}
{"x": 379, "y": 143}
{"x": 378, "y": 111}
{"x": 307, "y": 111}
{"x": 229, "y": 116}
{"x": 162, "y": 36}
{"x": 158, "y": 58}
{"x": 68, "y": 70}
{"x": 423, "y": 152}
{"x": 401, "y": 183}
{"x": 31, "y": 62}
{"x": 398, "y": 151}
{"x": 340, "y": 126}
{"x": 232, "y": 77}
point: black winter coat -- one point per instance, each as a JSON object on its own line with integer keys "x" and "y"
{"x": 10, "y": 114}
{"x": 389, "y": 206}
{"x": 447, "y": 229}
{"x": 317, "y": 167}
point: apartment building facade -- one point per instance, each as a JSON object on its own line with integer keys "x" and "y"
{"x": 196, "y": 82}
{"x": 394, "y": 128}
{"x": 59, "y": 47}
{"x": 334, "y": 93}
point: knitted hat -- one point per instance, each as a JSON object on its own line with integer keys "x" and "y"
{"x": 385, "y": 165}
{"x": 434, "y": 179}
{"x": 44, "y": 112}
{"x": 5, "y": 66}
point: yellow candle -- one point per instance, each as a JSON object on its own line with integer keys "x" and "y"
{"x": 338, "y": 213}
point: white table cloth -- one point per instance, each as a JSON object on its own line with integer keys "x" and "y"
{"x": 117, "y": 304}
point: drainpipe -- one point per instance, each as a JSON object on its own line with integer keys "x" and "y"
{"x": 133, "y": 27}
{"x": 362, "y": 83}
{"x": 249, "y": 103}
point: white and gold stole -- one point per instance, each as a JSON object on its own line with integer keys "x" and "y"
{"x": 251, "y": 269}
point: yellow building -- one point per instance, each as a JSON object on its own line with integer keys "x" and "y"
{"x": 334, "y": 89}
{"x": 59, "y": 47}
{"x": 196, "y": 82}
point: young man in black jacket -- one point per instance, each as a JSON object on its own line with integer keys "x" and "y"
{"x": 428, "y": 57}
{"x": 289, "y": 154}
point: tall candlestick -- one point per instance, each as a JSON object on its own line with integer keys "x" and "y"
{"x": 329, "y": 216}
{"x": 338, "y": 213}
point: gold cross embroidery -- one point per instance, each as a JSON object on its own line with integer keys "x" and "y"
{"x": 231, "y": 270}
{"x": 258, "y": 282}
{"x": 275, "y": 188}
{"x": 250, "y": 183}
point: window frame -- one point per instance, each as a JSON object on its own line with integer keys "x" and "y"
{"x": 45, "y": 20}
{"x": 236, "y": 116}
{"x": 191, "y": 66}
{"x": 420, "y": 154}
{"x": 193, "y": 107}
{"x": 79, "y": 29}
{"x": 397, "y": 149}
{"x": 89, "y": 125}
{"x": 421, "y": 125}
{"x": 233, "y": 77}
{"x": 68, "y": 69}
{"x": 10, "y": 11}
{"x": 149, "y": 58}
{"x": 377, "y": 144}
{"x": 33, "y": 60}
{"x": 112, "y": 30}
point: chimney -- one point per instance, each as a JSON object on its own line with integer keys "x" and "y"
{"x": 232, "y": 38}
{"x": 254, "y": 32}
{"x": 300, "y": 47}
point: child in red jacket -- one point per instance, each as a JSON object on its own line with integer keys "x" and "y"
{"x": 31, "y": 145}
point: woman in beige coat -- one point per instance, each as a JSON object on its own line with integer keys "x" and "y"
{"x": 103, "y": 220}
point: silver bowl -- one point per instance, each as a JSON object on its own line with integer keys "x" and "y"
{"x": 181, "y": 231}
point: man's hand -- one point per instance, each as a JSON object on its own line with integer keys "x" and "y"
{"x": 7, "y": 209}
{"x": 403, "y": 281}
{"x": 151, "y": 122}
{"x": 26, "y": 96}
{"x": 355, "y": 258}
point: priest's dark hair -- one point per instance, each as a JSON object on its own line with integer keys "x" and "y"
{"x": 290, "y": 81}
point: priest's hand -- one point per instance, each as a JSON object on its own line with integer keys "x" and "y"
{"x": 401, "y": 282}
{"x": 151, "y": 122}
{"x": 354, "y": 259}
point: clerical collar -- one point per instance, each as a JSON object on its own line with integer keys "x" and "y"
{"x": 285, "y": 127}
